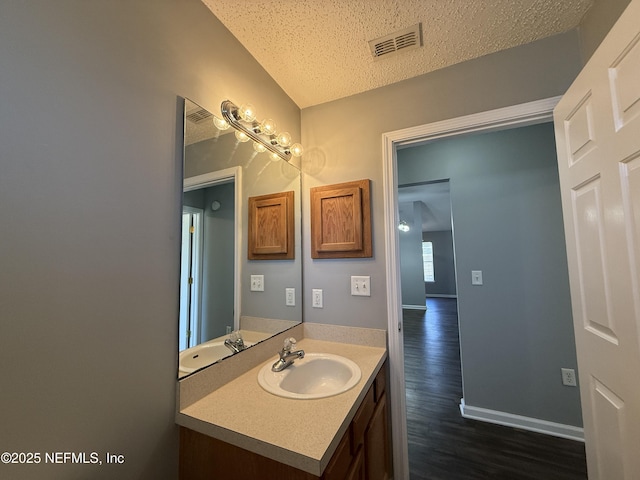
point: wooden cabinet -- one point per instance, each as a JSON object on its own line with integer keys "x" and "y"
{"x": 376, "y": 446}
{"x": 340, "y": 464}
{"x": 362, "y": 454}
{"x": 368, "y": 456}
{"x": 357, "y": 471}
{"x": 271, "y": 227}
{"x": 341, "y": 220}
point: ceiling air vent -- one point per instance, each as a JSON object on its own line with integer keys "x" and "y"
{"x": 402, "y": 40}
{"x": 198, "y": 115}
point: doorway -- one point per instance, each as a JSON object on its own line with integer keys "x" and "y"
{"x": 426, "y": 242}
{"x": 521, "y": 115}
{"x": 217, "y": 299}
{"x": 513, "y": 295}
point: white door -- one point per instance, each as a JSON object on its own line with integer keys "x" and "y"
{"x": 598, "y": 135}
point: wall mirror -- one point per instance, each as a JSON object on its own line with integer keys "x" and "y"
{"x": 217, "y": 295}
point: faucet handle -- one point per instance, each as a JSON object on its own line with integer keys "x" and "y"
{"x": 289, "y": 343}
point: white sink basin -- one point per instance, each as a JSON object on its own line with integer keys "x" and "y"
{"x": 317, "y": 375}
{"x": 202, "y": 355}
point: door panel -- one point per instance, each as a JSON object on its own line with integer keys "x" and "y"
{"x": 630, "y": 173}
{"x": 595, "y": 297}
{"x": 609, "y": 416}
{"x": 625, "y": 88}
{"x": 598, "y": 136}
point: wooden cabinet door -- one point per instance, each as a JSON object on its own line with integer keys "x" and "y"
{"x": 357, "y": 471}
{"x": 376, "y": 444}
{"x": 340, "y": 463}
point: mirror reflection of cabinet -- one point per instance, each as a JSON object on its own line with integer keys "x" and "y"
{"x": 271, "y": 227}
{"x": 222, "y": 299}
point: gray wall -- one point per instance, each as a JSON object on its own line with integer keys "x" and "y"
{"x": 414, "y": 288}
{"x": 412, "y": 272}
{"x": 90, "y": 182}
{"x": 219, "y": 239}
{"x": 596, "y": 24}
{"x": 194, "y": 198}
{"x": 342, "y": 142}
{"x": 443, "y": 264}
{"x": 516, "y": 330}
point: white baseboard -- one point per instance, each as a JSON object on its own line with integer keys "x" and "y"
{"x": 525, "y": 423}
{"x": 414, "y": 307}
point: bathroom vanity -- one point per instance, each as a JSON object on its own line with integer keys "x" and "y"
{"x": 239, "y": 429}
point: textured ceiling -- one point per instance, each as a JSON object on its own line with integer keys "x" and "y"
{"x": 318, "y": 51}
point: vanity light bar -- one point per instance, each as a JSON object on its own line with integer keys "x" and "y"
{"x": 231, "y": 114}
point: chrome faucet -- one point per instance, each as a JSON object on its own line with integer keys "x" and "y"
{"x": 287, "y": 357}
{"x": 235, "y": 343}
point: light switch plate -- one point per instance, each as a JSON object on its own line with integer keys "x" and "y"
{"x": 257, "y": 283}
{"x": 316, "y": 298}
{"x": 361, "y": 286}
{"x": 290, "y": 297}
{"x": 476, "y": 277}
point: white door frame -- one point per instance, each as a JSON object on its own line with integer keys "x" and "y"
{"x": 232, "y": 174}
{"x": 503, "y": 118}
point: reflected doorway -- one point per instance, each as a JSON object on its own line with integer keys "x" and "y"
{"x": 190, "y": 276}
{"x": 207, "y": 272}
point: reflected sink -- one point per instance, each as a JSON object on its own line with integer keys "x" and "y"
{"x": 317, "y": 375}
{"x": 202, "y": 355}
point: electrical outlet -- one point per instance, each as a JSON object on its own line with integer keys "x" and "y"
{"x": 568, "y": 377}
{"x": 290, "y": 297}
{"x": 361, "y": 286}
{"x": 316, "y": 298}
{"x": 257, "y": 283}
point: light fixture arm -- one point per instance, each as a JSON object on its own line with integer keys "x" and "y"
{"x": 230, "y": 113}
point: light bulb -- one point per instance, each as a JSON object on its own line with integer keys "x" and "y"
{"x": 296, "y": 150}
{"x": 268, "y": 127}
{"x": 220, "y": 123}
{"x": 258, "y": 147}
{"x": 284, "y": 139}
{"x": 241, "y": 136}
{"x": 274, "y": 157}
{"x": 247, "y": 112}
{"x": 404, "y": 226}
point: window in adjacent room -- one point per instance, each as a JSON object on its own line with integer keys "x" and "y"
{"x": 427, "y": 261}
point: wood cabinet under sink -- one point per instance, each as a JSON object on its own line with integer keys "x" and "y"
{"x": 362, "y": 454}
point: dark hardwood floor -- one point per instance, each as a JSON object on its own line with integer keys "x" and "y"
{"x": 445, "y": 446}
